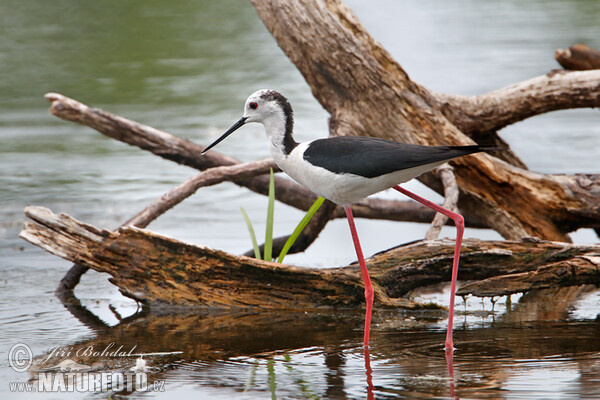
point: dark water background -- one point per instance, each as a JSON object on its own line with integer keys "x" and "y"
{"x": 186, "y": 67}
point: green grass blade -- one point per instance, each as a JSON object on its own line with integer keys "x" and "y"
{"x": 292, "y": 239}
{"x": 272, "y": 379}
{"x": 252, "y": 235}
{"x": 270, "y": 211}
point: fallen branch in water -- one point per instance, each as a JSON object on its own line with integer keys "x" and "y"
{"x": 157, "y": 270}
{"x": 575, "y": 271}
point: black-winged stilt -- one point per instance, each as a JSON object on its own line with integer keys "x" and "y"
{"x": 347, "y": 169}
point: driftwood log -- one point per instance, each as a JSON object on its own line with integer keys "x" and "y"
{"x": 366, "y": 93}
{"x": 157, "y": 270}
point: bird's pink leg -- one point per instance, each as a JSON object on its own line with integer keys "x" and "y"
{"x": 460, "y": 227}
{"x": 365, "y": 275}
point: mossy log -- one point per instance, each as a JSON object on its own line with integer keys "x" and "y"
{"x": 160, "y": 271}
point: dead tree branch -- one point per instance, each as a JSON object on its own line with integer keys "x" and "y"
{"x": 490, "y": 112}
{"x": 450, "y": 200}
{"x": 209, "y": 177}
{"x": 573, "y": 272}
{"x": 156, "y": 270}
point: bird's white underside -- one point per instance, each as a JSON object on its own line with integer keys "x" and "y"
{"x": 342, "y": 189}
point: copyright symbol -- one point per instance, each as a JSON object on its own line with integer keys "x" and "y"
{"x": 20, "y": 357}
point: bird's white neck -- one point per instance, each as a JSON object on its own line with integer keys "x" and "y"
{"x": 278, "y": 128}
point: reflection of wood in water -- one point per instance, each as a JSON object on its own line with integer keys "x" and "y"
{"x": 547, "y": 304}
{"x": 411, "y": 351}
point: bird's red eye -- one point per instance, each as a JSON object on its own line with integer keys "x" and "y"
{"x": 253, "y": 105}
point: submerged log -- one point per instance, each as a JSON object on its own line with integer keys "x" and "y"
{"x": 161, "y": 271}
{"x": 332, "y": 338}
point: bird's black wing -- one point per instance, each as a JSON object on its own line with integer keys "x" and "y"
{"x": 372, "y": 157}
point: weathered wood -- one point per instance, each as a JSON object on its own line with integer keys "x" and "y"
{"x": 573, "y": 272}
{"x": 157, "y": 270}
{"x": 578, "y": 57}
{"x": 450, "y": 200}
{"x": 368, "y": 93}
{"x": 407, "y": 267}
{"x": 483, "y": 115}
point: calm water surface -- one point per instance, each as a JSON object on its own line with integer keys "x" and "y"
{"x": 187, "y": 68}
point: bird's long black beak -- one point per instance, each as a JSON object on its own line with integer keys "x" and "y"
{"x": 235, "y": 126}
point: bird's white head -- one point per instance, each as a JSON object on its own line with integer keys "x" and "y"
{"x": 264, "y": 104}
{"x": 271, "y": 109}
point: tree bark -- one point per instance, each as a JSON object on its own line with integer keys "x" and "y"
{"x": 573, "y": 272}
{"x": 157, "y": 270}
{"x": 481, "y": 116}
{"x": 367, "y": 93}
{"x": 450, "y": 200}
{"x": 160, "y": 271}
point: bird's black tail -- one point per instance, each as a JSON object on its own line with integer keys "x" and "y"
{"x": 476, "y": 148}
